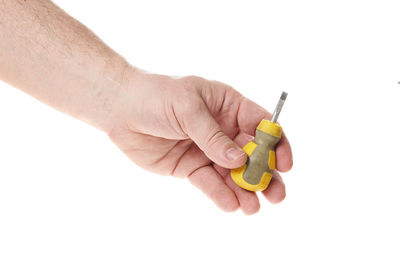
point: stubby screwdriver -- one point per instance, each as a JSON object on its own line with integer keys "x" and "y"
{"x": 256, "y": 173}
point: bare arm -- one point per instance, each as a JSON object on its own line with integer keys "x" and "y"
{"x": 56, "y": 59}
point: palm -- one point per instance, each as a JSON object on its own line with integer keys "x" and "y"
{"x": 170, "y": 151}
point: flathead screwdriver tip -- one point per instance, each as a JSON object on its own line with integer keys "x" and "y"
{"x": 279, "y": 106}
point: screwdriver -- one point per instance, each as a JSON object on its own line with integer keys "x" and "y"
{"x": 256, "y": 173}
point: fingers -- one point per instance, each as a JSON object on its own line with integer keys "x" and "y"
{"x": 284, "y": 155}
{"x": 212, "y": 185}
{"x": 191, "y": 160}
{"x": 249, "y": 116}
{"x": 276, "y": 191}
{"x": 248, "y": 201}
{"x": 201, "y": 127}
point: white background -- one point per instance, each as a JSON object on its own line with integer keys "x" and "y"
{"x": 68, "y": 197}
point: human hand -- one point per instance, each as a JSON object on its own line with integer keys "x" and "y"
{"x": 184, "y": 127}
{"x": 180, "y": 127}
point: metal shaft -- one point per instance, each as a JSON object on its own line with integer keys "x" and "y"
{"x": 279, "y": 106}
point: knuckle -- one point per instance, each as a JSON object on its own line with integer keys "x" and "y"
{"x": 186, "y": 99}
{"x": 213, "y": 138}
{"x": 192, "y": 79}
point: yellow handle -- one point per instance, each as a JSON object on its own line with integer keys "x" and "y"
{"x": 256, "y": 173}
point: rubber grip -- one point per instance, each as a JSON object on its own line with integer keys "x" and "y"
{"x": 257, "y": 173}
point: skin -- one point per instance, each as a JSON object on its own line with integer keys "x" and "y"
{"x": 182, "y": 127}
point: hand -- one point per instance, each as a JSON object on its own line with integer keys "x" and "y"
{"x": 184, "y": 127}
{"x": 180, "y": 127}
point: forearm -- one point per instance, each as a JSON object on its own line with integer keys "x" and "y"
{"x": 56, "y": 59}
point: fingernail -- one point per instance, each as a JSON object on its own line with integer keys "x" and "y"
{"x": 234, "y": 153}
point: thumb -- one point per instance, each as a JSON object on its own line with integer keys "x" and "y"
{"x": 202, "y": 128}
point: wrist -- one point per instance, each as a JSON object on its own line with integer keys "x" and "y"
{"x": 108, "y": 94}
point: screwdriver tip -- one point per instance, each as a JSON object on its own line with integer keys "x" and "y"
{"x": 279, "y": 107}
{"x": 284, "y": 95}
